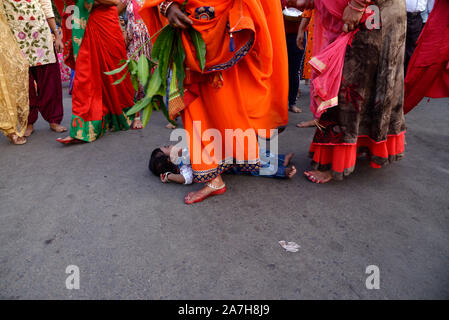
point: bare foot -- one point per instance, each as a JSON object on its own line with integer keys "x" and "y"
{"x": 295, "y": 109}
{"x": 170, "y": 126}
{"x": 306, "y": 124}
{"x": 15, "y": 139}
{"x": 57, "y": 127}
{"x": 137, "y": 124}
{"x": 288, "y": 158}
{"x": 318, "y": 177}
{"x": 290, "y": 172}
{"x": 29, "y": 130}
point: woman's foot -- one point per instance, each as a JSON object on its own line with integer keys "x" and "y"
{"x": 214, "y": 187}
{"x": 318, "y": 177}
{"x": 56, "y": 127}
{"x": 15, "y": 139}
{"x": 170, "y": 126}
{"x": 137, "y": 124}
{"x": 29, "y": 130}
{"x": 295, "y": 109}
{"x": 68, "y": 140}
{"x": 290, "y": 172}
{"x": 307, "y": 82}
{"x": 288, "y": 158}
{"x": 306, "y": 124}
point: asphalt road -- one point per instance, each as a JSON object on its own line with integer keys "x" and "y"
{"x": 97, "y": 207}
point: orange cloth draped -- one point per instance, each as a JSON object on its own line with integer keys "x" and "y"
{"x": 242, "y": 89}
{"x": 97, "y": 104}
{"x": 307, "y": 70}
{"x": 428, "y": 71}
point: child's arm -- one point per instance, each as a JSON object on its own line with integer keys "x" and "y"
{"x": 173, "y": 177}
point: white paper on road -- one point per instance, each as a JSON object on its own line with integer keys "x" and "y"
{"x": 289, "y": 246}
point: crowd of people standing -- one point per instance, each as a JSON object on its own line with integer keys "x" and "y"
{"x": 356, "y": 73}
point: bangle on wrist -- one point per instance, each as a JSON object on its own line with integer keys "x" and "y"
{"x": 163, "y": 8}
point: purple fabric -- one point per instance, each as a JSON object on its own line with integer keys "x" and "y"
{"x": 46, "y": 95}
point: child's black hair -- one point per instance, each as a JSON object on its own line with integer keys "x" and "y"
{"x": 160, "y": 163}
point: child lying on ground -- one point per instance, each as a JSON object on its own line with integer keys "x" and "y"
{"x": 162, "y": 166}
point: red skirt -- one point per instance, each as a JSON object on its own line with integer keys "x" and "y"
{"x": 97, "y": 104}
{"x": 341, "y": 158}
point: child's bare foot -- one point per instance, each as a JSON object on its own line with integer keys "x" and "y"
{"x": 137, "y": 124}
{"x": 170, "y": 126}
{"x": 318, "y": 177}
{"x": 29, "y": 130}
{"x": 306, "y": 124}
{"x": 57, "y": 127}
{"x": 288, "y": 158}
{"x": 290, "y": 172}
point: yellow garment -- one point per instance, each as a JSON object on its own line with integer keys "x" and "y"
{"x": 14, "y": 100}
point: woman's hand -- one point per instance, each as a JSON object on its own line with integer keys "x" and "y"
{"x": 177, "y": 18}
{"x": 351, "y": 19}
{"x": 300, "y": 4}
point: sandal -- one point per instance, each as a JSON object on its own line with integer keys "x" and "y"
{"x": 218, "y": 191}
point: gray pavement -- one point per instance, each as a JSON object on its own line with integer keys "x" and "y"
{"x": 97, "y": 207}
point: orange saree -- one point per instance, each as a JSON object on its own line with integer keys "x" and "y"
{"x": 244, "y": 85}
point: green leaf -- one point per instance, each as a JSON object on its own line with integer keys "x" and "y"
{"x": 132, "y": 67}
{"x": 146, "y": 114}
{"x": 139, "y": 105}
{"x": 200, "y": 47}
{"x": 165, "y": 58}
{"x": 159, "y": 45}
{"x": 135, "y": 82}
{"x": 118, "y": 70}
{"x": 120, "y": 80}
{"x": 143, "y": 70}
{"x": 179, "y": 63}
{"x": 154, "y": 84}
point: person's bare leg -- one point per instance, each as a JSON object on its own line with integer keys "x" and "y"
{"x": 290, "y": 172}
{"x": 57, "y": 127}
{"x": 29, "y": 130}
{"x": 206, "y": 190}
{"x": 288, "y": 158}
{"x": 306, "y": 124}
{"x": 170, "y": 126}
{"x": 318, "y": 177}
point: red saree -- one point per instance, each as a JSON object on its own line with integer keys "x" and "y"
{"x": 428, "y": 70}
{"x": 97, "y": 104}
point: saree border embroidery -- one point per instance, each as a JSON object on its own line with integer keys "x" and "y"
{"x": 202, "y": 176}
{"x": 242, "y": 52}
{"x": 91, "y": 130}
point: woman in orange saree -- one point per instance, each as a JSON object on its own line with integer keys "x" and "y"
{"x": 93, "y": 46}
{"x": 244, "y": 85}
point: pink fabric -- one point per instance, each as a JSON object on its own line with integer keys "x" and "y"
{"x": 330, "y": 45}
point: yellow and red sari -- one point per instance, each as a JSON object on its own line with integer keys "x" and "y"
{"x": 245, "y": 88}
{"x": 93, "y": 46}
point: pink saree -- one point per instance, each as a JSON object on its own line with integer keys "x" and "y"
{"x": 329, "y": 49}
